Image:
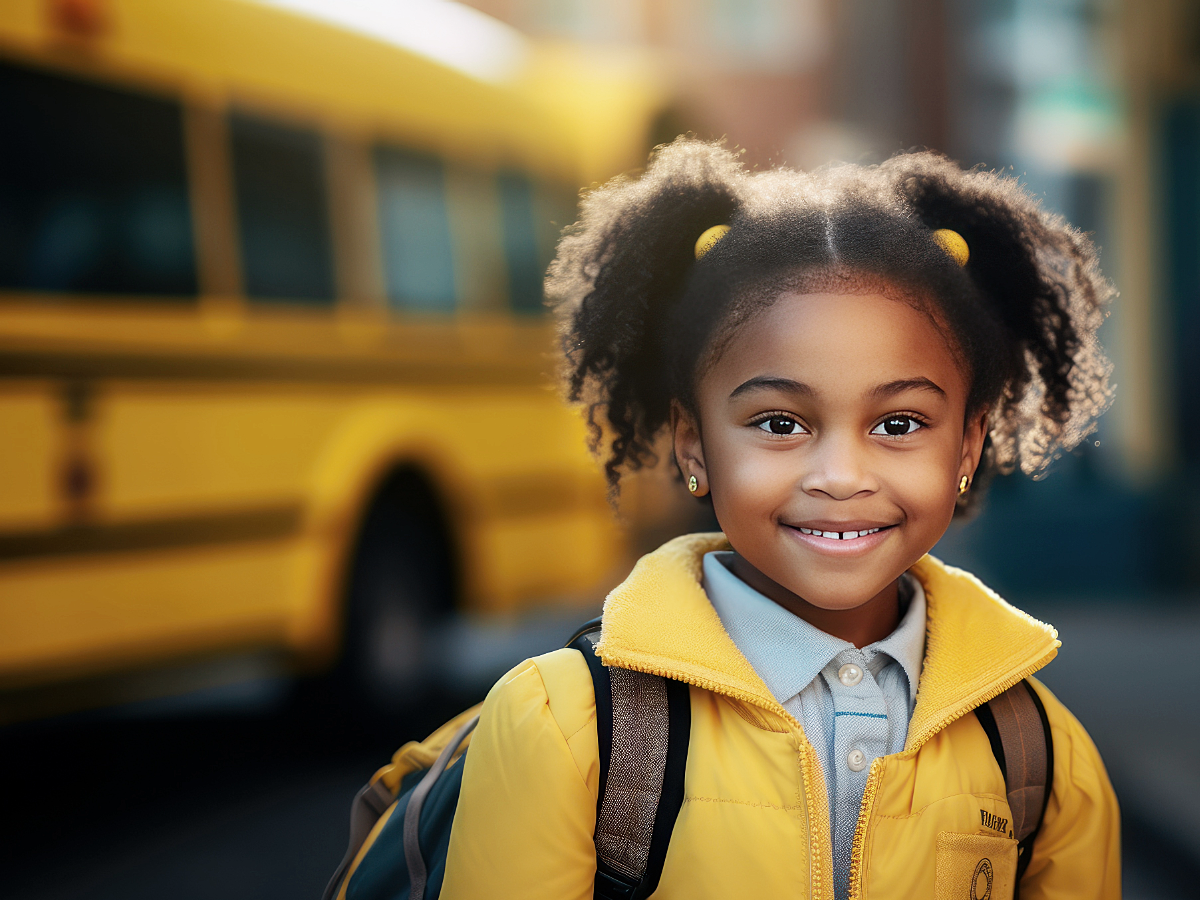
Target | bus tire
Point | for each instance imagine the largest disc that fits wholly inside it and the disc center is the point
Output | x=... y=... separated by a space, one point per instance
x=400 y=596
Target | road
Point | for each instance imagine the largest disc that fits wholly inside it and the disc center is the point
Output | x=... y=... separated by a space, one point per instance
x=246 y=798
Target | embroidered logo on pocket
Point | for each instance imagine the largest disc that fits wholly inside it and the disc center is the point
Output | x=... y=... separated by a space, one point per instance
x=981 y=884
x=975 y=867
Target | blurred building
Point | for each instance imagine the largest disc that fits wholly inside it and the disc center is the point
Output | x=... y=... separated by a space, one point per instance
x=757 y=72
x=1095 y=104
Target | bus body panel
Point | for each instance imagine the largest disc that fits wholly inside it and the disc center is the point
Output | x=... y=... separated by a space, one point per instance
x=28 y=498
x=181 y=514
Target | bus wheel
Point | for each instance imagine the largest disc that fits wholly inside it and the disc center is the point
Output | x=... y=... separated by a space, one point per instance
x=400 y=599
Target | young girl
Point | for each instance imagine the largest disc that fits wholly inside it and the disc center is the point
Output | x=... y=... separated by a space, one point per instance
x=840 y=360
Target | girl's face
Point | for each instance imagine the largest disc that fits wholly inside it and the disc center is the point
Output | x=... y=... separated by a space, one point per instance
x=831 y=436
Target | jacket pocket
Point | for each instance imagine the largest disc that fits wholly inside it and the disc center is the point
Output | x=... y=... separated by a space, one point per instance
x=975 y=867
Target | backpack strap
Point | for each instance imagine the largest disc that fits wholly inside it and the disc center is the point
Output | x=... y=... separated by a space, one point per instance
x=369 y=804
x=418 y=872
x=1019 y=732
x=643 y=725
x=376 y=798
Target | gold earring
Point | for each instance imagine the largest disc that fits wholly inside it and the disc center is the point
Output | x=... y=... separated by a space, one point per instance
x=693 y=484
x=963 y=483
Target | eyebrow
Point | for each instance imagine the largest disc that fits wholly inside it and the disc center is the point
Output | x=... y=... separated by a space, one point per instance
x=799 y=388
x=892 y=388
x=772 y=383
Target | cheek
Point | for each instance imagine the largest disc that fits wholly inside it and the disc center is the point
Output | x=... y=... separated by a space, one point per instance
x=748 y=483
x=926 y=488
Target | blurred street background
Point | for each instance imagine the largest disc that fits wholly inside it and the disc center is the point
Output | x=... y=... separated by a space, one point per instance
x=283 y=482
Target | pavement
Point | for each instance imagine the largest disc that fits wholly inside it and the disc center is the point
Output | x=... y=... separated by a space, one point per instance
x=1131 y=675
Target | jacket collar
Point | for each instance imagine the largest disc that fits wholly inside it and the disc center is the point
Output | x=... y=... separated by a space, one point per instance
x=659 y=620
x=787 y=652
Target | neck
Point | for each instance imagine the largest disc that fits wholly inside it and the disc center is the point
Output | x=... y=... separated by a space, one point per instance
x=864 y=624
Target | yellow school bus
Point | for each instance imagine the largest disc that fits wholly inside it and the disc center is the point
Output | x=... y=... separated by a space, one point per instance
x=274 y=377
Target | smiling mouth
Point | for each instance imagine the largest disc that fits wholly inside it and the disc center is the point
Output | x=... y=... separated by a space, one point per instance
x=842 y=535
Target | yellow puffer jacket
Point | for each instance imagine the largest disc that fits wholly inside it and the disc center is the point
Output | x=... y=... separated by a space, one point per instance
x=755 y=820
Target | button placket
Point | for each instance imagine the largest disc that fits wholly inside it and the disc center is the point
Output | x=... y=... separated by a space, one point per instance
x=851 y=682
x=860 y=723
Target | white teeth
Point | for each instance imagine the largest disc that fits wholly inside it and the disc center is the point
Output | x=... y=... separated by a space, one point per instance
x=839 y=536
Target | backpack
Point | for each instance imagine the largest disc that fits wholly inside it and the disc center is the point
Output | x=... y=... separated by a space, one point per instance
x=400 y=821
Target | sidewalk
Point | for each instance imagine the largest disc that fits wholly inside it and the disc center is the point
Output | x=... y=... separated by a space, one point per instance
x=1132 y=676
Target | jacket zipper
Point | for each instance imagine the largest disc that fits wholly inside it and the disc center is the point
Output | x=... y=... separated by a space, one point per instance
x=820 y=876
x=858 y=848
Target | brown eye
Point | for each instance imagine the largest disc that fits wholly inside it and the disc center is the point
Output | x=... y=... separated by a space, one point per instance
x=897 y=426
x=780 y=425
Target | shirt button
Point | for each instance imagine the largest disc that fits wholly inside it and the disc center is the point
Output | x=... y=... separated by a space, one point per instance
x=856 y=760
x=850 y=674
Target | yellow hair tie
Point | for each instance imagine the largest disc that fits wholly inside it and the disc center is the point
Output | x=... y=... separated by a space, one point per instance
x=709 y=239
x=954 y=245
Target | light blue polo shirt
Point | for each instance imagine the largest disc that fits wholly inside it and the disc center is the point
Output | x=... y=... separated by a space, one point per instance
x=854 y=705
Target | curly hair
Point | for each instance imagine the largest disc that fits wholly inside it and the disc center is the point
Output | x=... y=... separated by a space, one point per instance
x=641 y=317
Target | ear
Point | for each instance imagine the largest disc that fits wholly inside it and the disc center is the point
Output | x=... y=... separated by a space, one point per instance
x=689 y=452
x=972 y=447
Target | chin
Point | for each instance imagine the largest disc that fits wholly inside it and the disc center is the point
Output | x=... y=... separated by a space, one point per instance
x=839 y=602
x=844 y=594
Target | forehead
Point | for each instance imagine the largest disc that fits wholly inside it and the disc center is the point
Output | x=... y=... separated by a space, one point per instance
x=840 y=339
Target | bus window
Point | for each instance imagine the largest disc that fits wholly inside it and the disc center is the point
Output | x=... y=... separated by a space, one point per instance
x=519 y=218
x=480 y=272
x=418 y=255
x=93 y=189
x=283 y=211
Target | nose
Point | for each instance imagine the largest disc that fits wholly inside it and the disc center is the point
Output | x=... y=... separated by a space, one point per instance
x=836 y=466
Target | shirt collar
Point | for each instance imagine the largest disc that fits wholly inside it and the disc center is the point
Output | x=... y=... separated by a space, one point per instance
x=787 y=652
x=906 y=645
